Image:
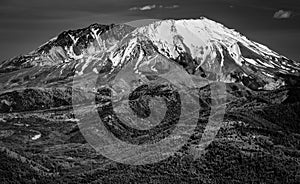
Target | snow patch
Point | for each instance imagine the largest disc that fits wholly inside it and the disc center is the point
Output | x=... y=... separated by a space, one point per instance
x=267 y=74
x=140 y=58
x=234 y=51
x=119 y=58
x=72 y=120
x=251 y=61
x=36 y=136
x=95 y=70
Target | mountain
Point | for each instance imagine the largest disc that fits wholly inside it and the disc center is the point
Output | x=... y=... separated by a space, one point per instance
x=207 y=48
x=201 y=46
x=46 y=93
x=204 y=48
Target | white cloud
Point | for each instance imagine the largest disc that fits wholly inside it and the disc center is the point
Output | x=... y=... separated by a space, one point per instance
x=150 y=7
x=281 y=14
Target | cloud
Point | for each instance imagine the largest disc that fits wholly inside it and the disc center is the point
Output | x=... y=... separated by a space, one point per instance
x=147 y=7
x=150 y=7
x=281 y=14
x=172 y=7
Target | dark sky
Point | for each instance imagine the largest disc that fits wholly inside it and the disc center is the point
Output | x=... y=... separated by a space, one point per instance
x=26 y=24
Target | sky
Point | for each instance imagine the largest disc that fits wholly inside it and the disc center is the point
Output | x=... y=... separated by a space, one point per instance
x=27 y=24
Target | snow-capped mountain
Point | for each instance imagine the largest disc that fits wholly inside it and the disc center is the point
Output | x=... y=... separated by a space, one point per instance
x=202 y=47
x=245 y=131
x=209 y=49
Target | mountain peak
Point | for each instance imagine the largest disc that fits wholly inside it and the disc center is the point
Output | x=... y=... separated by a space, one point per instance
x=220 y=53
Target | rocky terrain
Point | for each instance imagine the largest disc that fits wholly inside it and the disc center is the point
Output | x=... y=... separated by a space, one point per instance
x=46 y=94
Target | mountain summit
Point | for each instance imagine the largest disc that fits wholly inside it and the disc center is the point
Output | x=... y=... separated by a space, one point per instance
x=207 y=48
